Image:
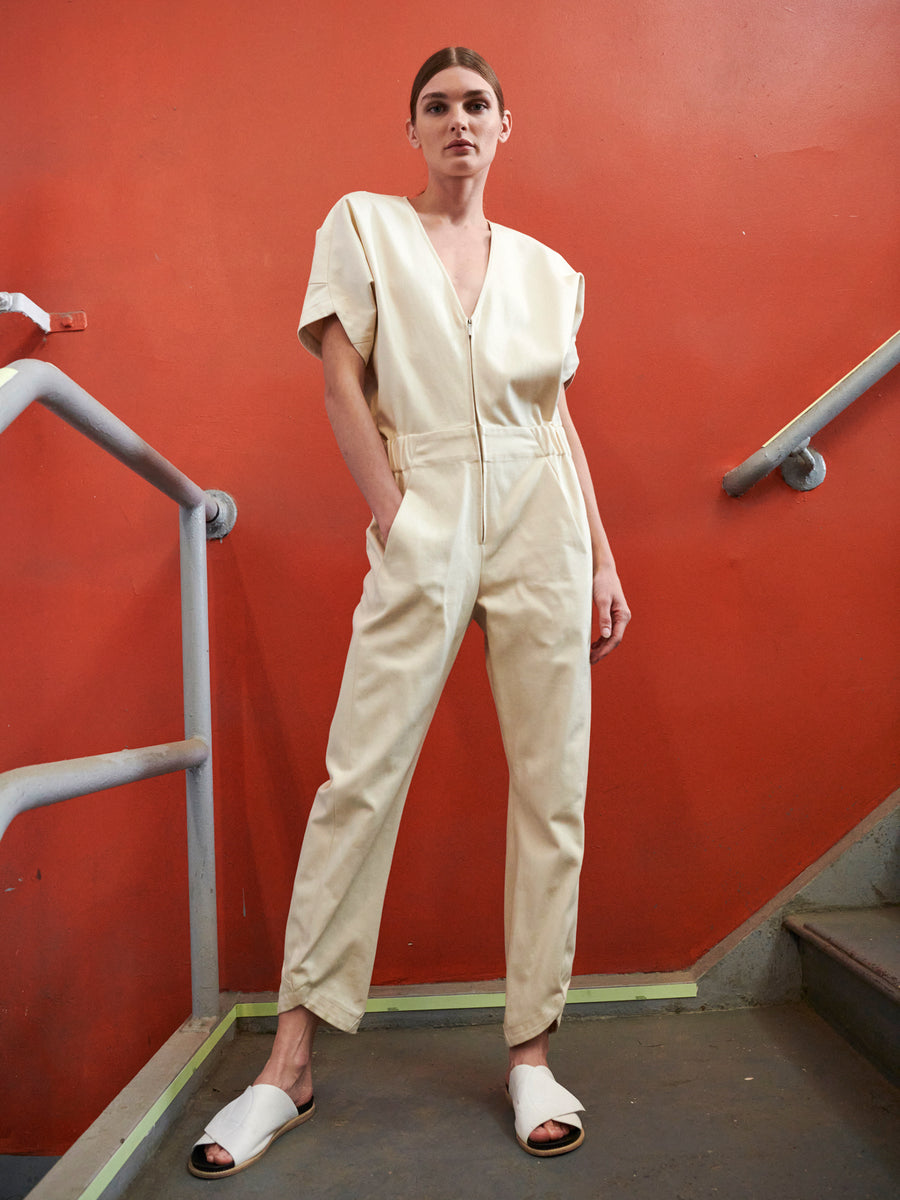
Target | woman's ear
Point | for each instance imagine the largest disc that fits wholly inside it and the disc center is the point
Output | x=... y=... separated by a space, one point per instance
x=412 y=135
x=505 y=125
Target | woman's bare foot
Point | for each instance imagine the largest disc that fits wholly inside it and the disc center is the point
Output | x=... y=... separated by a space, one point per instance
x=534 y=1054
x=289 y=1066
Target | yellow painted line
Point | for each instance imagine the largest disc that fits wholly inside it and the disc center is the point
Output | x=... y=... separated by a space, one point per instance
x=104 y=1177
x=653 y=991
x=649 y=991
x=599 y=995
x=439 y=1003
x=264 y=1008
x=436 y=1003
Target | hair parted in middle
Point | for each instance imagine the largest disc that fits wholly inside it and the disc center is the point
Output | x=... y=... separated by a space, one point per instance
x=454 y=56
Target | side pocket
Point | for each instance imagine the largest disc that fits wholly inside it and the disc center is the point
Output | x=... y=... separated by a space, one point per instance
x=374 y=533
x=566 y=477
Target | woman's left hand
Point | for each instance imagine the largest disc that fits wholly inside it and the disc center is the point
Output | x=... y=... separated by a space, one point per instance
x=612 y=610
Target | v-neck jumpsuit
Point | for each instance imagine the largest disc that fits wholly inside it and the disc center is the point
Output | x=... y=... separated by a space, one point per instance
x=491 y=527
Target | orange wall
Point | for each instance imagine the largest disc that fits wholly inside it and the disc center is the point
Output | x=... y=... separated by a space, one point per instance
x=724 y=175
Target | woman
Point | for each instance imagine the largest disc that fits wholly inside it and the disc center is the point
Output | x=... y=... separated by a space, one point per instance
x=446 y=343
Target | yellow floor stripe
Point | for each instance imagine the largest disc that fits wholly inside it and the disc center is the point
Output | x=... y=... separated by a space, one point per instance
x=104 y=1177
x=439 y=1003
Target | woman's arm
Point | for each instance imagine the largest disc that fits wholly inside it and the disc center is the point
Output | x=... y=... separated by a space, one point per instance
x=608 y=595
x=357 y=438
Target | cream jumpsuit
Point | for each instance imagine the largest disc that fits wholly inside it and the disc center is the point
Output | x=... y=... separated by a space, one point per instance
x=492 y=526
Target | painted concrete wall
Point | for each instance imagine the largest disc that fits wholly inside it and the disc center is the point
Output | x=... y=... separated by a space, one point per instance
x=725 y=176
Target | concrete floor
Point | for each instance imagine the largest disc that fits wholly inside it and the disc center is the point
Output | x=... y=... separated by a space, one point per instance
x=760 y=1104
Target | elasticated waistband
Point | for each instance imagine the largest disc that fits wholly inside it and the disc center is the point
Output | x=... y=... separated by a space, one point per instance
x=496 y=443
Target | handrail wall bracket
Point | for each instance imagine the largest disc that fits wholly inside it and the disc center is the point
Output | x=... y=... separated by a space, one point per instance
x=226 y=515
x=802 y=467
x=58 y=322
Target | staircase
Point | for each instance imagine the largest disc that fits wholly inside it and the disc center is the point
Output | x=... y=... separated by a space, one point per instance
x=850 y=962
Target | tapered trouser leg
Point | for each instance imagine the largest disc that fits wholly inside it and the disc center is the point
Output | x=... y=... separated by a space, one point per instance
x=416 y=604
x=537 y=624
x=501 y=537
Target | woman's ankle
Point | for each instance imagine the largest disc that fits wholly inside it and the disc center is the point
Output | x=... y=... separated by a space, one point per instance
x=289 y=1066
x=532 y=1053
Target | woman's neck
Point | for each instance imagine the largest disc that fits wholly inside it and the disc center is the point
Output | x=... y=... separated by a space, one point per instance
x=458 y=201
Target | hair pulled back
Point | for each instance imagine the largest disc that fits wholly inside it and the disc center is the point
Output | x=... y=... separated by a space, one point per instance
x=454 y=56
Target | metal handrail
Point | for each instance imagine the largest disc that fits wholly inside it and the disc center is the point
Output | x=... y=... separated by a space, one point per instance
x=202 y=514
x=801 y=466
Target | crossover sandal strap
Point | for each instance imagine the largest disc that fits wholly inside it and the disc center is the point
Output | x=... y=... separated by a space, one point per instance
x=537 y=1098
x=246 y=1125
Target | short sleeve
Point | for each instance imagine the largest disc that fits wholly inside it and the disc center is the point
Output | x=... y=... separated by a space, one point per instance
x=570 y=362
x=340 y=284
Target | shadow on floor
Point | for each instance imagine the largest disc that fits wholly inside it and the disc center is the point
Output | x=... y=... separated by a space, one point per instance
x=760 y=1104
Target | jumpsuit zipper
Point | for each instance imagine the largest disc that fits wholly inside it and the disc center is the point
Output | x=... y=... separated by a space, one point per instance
x=478 y=428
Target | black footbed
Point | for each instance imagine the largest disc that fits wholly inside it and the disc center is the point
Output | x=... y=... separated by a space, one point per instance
x=557 y=1143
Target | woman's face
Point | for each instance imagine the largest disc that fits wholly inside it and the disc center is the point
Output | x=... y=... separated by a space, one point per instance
x=458 y=123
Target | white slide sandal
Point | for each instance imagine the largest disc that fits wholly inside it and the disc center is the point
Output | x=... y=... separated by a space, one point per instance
x=537 y=1097
x=246 y=1128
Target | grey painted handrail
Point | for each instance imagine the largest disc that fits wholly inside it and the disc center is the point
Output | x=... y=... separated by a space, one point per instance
x=48 y=783
x=23 y=788
x=29 y=380
x=802 y=467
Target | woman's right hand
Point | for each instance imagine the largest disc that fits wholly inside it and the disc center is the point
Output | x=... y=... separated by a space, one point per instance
x=385 y=519
x=358 y=440
x=612 y=610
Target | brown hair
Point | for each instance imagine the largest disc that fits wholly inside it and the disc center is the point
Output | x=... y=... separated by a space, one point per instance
x=454 y=56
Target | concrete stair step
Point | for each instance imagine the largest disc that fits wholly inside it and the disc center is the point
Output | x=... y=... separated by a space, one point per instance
x=851 y=976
